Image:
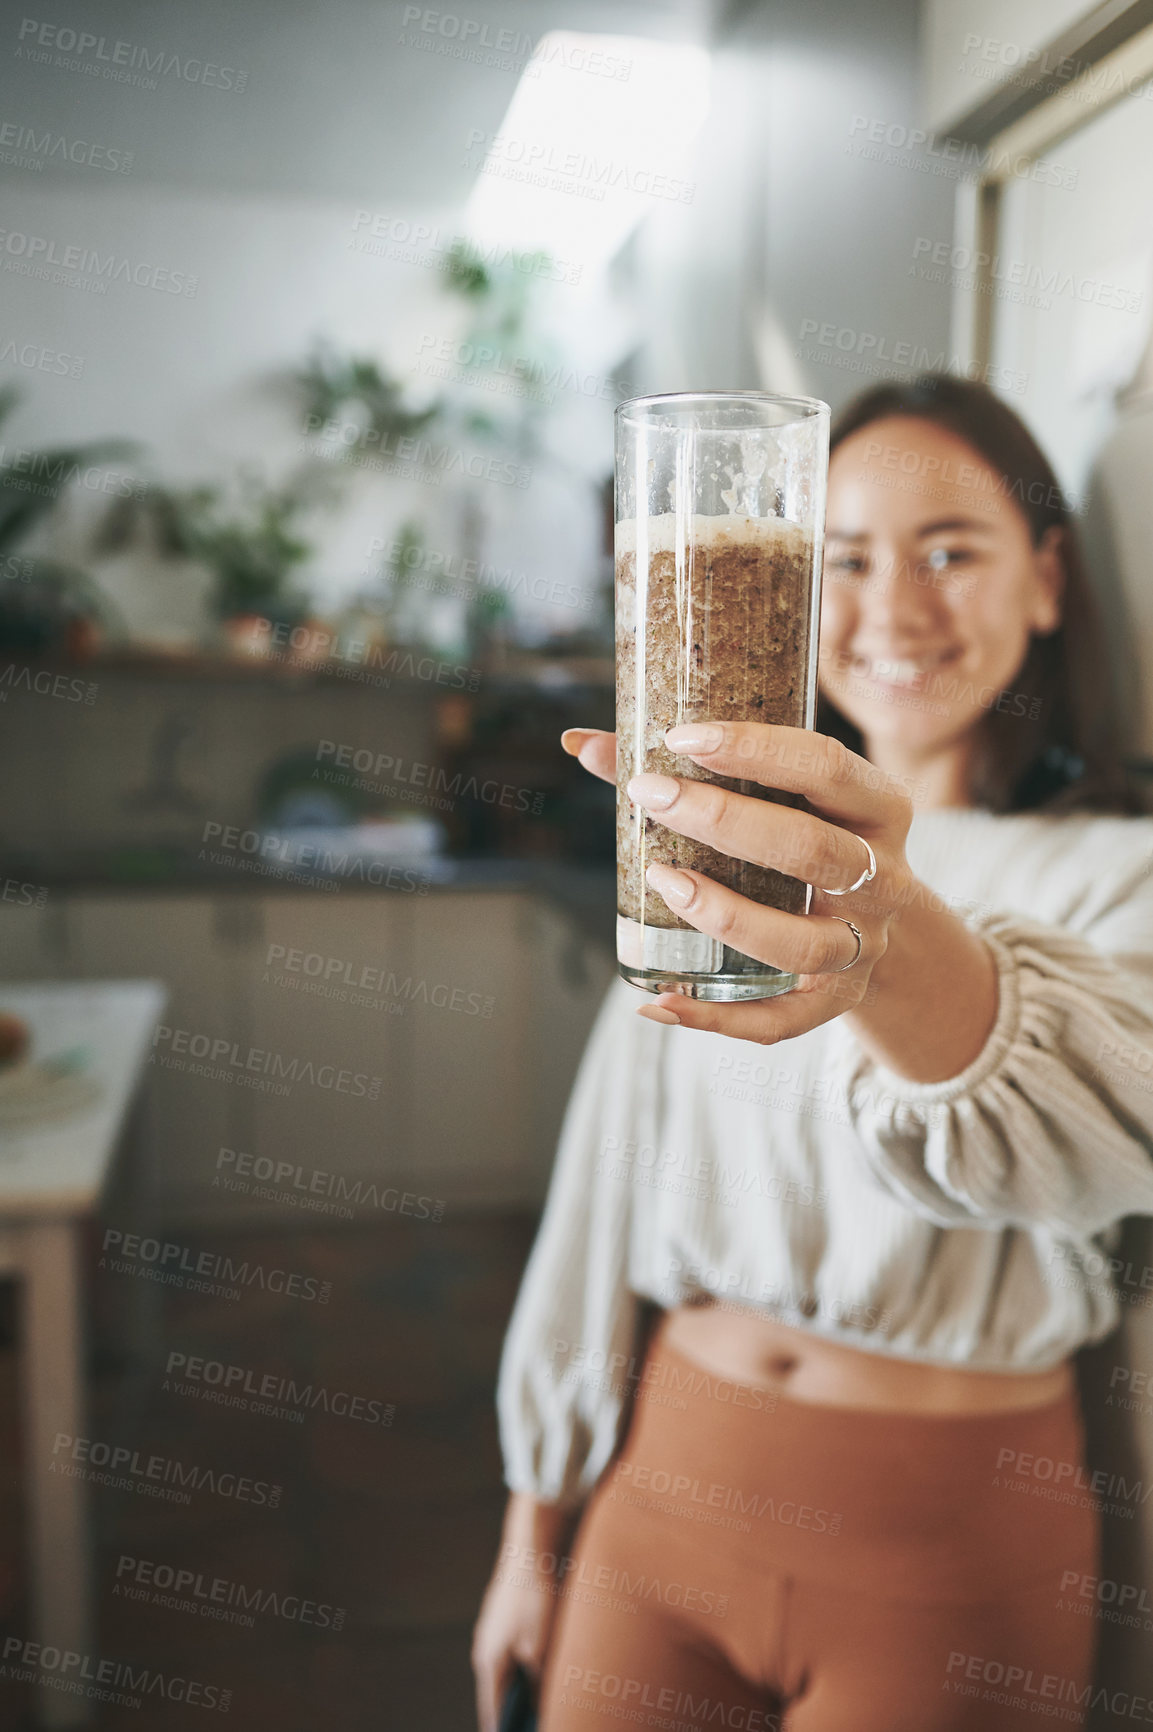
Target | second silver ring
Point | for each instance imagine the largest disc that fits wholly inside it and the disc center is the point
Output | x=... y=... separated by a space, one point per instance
x=856 y=932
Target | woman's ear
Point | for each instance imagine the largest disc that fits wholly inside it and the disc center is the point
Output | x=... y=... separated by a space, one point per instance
x=1049 y=581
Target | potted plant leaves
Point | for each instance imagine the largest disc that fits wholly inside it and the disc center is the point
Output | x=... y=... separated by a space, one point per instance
x=248 y=537
x=47 y=606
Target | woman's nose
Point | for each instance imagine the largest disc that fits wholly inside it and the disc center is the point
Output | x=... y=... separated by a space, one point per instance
x=897 y=597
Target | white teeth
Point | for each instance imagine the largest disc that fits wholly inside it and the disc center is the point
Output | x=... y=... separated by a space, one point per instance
x=906 y=672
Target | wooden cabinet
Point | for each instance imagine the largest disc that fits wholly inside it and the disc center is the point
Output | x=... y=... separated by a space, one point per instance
x=318 y=1011
x=189 y=943
x=32 y=943
x=471 y=1081
x=421 y=1042
x=570 y=979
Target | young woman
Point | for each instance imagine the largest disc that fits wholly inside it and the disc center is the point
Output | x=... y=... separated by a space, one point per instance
x=794 y=1343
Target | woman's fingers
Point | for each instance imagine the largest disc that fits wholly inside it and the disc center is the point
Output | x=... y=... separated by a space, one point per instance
x=808 y=944
x=834 y=780
x=595 y=749
x=760 y=831
x=762 y=1020
x=493 y=1674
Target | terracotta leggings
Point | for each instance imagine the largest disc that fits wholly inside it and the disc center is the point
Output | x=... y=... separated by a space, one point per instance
x=758 y=1563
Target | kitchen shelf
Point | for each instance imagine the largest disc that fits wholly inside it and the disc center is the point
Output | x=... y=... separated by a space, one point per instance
x=538 y=671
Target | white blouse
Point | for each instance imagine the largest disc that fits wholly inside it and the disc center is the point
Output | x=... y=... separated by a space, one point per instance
x=963 y=1223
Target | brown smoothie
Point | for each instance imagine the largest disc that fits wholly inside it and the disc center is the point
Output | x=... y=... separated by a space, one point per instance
x=712 y=624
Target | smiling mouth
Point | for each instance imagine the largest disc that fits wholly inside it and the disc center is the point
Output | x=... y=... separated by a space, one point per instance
x=908 y=673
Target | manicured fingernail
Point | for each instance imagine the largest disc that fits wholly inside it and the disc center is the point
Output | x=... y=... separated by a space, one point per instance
x=574 y=738
x=658 y=1013
x=694 y=737
x=659 y=792
x=675 y=887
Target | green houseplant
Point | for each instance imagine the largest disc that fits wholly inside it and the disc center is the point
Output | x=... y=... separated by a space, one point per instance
x=248 y=537
x=47 y=605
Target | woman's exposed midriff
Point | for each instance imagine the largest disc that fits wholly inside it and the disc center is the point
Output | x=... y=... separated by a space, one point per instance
x=740 y=1344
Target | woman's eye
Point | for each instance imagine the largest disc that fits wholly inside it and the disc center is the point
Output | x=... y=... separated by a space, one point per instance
x=851 y=564
x=941 y=557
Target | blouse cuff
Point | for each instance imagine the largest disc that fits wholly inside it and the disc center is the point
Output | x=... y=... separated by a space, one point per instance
x=1005 y=1029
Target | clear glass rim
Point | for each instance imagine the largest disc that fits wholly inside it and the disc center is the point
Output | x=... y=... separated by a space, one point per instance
x=635 y=408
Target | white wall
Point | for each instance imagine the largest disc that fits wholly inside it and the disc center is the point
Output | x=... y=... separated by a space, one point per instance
x=202 y=380
x=826 y=232
x=972 y=46
x=254 y=192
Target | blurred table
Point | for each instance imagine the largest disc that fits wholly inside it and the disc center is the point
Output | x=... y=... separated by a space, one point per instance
x=54 y=1170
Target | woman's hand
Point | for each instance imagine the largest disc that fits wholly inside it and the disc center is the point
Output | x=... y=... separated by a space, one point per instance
x=915 y=961
x=519 y=1605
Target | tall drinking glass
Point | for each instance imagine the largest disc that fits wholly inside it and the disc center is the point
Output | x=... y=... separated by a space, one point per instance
x=720 y=515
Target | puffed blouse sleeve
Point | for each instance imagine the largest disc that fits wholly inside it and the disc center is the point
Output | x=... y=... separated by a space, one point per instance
x=564 y=1369
x=1051 y=1125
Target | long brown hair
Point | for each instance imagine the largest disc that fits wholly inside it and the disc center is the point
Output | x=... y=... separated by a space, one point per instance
x=1072 y=756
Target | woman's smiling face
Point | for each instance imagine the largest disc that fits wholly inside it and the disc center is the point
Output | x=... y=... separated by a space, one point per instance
x=932 y=588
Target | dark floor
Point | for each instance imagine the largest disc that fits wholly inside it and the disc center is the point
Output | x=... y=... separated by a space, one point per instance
x=397 y=1525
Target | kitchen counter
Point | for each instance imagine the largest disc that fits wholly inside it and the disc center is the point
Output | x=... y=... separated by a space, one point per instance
x=587 y=893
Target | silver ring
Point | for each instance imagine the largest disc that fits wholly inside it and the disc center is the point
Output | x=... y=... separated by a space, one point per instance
x=856 y=932
x=866 y=877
